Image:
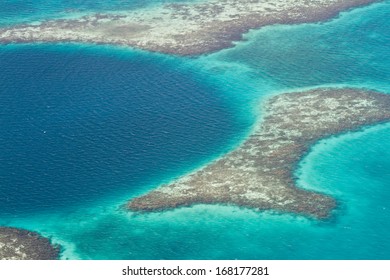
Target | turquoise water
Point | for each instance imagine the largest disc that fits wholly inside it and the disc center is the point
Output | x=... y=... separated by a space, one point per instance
x=20 y=11
x=352 y=50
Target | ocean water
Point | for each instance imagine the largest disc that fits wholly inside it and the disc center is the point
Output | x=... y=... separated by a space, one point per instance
x=77 y=123
x=352 y=50
x=20 y=11
x=85 y=128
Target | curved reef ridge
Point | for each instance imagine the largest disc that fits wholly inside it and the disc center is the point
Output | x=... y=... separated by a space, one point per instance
x=20 y=244
x=182 y=29
x=260 y=173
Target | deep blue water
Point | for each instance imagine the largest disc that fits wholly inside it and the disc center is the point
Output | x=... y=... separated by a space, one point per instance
x=75 y=125
x=83 y=129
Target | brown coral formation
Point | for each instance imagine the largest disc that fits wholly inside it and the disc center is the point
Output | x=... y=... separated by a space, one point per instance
x=20 y=244
x=260 y=173
x=182 y=29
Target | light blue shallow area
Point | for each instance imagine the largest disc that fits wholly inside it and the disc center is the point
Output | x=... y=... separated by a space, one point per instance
x=20 y=11
x=352 y=50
